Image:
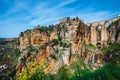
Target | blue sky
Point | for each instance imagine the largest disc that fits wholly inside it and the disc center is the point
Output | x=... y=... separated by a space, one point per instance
x=18 y=15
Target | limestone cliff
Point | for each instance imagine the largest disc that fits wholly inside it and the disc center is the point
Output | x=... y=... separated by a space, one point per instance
x=70 y=30
x=57 y=45
x=61 y=44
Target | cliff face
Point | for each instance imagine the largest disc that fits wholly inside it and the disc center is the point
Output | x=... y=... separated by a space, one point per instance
x=70 y=30
x=34 y=37
x=57 y=46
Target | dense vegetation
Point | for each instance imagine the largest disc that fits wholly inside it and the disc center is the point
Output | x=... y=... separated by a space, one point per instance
x=109 y=71
x=112 y=53
x=11 y=54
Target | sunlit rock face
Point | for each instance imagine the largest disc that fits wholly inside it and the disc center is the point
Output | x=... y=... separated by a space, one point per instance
x=33 y=37
x=73 y=31
x=68 y=29
x=24 y=40
x=77 y=33
x=53 y=35
x=38 y=38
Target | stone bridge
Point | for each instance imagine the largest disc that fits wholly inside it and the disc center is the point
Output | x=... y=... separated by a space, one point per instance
x=99 y=31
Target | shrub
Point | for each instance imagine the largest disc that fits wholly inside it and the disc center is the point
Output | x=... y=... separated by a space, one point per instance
x=38 y=74
x=109 y=71
x=63 y=74
x=113 y=47
x=63 y=44
x=77 y=64
x=78 y=74
x=29 y=74
x=49 y=77
x=55 y=41
x=112 y=52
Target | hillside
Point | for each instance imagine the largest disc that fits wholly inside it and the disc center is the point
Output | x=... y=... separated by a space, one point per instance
x=8 y=56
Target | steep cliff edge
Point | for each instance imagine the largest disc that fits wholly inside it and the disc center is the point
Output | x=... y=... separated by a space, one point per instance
x=56 y=45
x=66 y=44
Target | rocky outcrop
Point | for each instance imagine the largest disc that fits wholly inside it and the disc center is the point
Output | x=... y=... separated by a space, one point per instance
x=32 y=37
x=56 y=46
x=70 y=30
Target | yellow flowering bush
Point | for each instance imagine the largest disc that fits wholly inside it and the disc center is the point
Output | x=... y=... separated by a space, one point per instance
x=26 y=74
